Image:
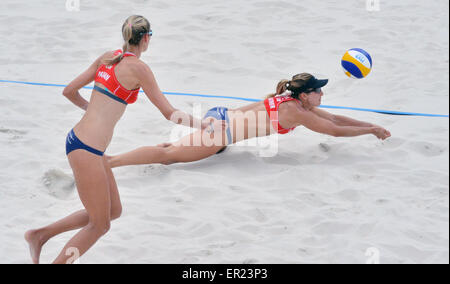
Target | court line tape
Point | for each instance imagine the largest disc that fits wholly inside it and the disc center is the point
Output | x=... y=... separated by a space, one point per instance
x=389 y=112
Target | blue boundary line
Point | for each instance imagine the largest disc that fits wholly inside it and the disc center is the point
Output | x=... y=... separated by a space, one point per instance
x=390 y=112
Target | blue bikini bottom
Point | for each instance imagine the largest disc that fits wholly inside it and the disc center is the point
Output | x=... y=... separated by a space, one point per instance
x=73 y=143
x=221 y=113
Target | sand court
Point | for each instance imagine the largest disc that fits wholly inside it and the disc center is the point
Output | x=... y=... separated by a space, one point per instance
x=320 y=199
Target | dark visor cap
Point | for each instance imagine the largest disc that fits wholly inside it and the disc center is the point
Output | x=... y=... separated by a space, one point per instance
x=314 y=83
x=311 y=85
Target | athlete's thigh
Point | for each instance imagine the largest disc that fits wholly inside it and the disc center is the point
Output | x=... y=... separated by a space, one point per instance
x=113 y=190
x=196 y=146
x=92 y=183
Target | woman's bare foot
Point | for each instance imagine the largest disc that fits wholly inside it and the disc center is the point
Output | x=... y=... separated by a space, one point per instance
x=35 y=241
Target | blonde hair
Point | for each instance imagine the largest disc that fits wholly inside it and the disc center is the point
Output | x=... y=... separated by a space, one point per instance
x=133 y=30
x=294 y=85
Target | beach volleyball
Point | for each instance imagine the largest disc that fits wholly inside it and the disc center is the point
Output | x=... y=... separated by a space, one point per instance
x=357 y=63
x=177 y=133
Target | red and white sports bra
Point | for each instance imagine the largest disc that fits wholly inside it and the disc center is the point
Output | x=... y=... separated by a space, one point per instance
x=272 y=105
x=106 y=76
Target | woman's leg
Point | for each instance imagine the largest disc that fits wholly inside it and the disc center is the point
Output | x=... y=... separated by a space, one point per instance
x=37 y=238
x=178 y=152
x=116 y=204
x=93 y=188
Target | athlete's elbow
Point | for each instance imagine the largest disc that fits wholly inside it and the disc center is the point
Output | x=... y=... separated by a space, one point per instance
x=67 y=92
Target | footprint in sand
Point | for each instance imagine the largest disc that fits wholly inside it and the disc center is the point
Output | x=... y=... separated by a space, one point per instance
x=426 y=149
x=324 y=147
x=13 y=133
x=154 y=170
x=393 y=142
x=59 y=184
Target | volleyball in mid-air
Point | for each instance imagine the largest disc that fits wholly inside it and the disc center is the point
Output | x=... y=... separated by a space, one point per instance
x=357 y=63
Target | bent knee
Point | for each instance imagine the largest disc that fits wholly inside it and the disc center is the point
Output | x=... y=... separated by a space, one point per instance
x=100 y=227
x=116 y=212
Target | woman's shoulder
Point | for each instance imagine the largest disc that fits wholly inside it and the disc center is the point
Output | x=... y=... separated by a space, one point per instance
x=294 y=106
x=140 y=67
x=108 y=55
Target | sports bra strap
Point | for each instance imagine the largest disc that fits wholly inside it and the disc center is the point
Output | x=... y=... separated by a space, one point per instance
x=127 y=54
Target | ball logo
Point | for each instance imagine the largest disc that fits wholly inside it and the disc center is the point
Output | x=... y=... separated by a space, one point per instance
x=360 y=58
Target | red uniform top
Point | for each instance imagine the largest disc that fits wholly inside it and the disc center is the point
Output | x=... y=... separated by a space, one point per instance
x=272 y=105
x=107 y=77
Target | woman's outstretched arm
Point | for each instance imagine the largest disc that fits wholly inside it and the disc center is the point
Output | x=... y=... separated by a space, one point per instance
x=151 y=89
x=340 y=119
x=344 y=121
x=326 y=124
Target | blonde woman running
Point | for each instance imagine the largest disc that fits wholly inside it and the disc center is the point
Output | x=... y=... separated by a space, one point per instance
x=295 y=103
x=118 y=76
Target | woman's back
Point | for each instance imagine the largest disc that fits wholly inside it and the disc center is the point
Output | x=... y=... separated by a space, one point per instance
x=97 y=125
x=253 y=120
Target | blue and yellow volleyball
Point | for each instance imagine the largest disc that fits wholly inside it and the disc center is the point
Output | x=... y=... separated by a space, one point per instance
x=357 y=63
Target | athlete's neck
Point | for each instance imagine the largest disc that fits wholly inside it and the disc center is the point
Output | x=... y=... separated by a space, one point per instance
x=135 y=50
x=306 y=105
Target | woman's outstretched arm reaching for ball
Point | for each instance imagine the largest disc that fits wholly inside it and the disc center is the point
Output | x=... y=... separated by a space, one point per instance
x=295 y=103
x=340 y=119
x=345 y=125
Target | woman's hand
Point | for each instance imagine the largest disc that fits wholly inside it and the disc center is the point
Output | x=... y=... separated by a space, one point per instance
x=380 y=132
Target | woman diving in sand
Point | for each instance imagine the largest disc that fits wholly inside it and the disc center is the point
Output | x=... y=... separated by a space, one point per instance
x=295 y=103
x=118 y=76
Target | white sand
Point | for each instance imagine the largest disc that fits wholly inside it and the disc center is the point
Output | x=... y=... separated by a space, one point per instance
x=320 y=200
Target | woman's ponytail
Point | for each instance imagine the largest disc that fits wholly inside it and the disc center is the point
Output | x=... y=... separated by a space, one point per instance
x=133 y=31
x=294 y=86
x=281 y=88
